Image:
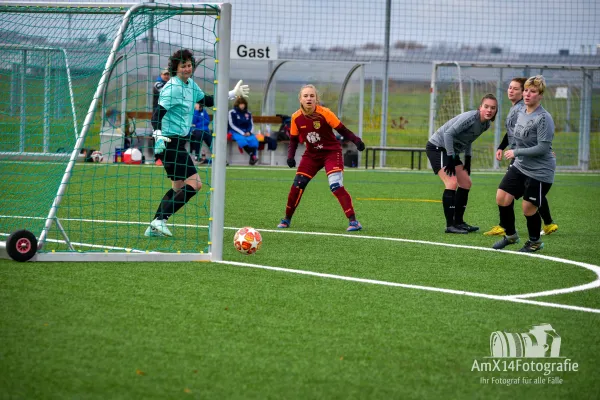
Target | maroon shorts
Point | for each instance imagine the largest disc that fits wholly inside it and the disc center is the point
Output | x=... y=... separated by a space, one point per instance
x=311 y=163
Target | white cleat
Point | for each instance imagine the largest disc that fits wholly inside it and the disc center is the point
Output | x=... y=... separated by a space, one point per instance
x=158 y=227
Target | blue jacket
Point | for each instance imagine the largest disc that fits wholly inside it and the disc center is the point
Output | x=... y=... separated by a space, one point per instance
x=156 y=88
x=201 y=120
x=240 y=121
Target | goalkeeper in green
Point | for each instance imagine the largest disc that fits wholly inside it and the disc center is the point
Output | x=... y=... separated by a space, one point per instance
x=171 y=121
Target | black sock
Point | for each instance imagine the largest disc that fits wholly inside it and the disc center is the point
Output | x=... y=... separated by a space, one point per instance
x=448 y=203
x=460 y=205
x=171 y=206
x=544 y=211
x=534 y=225
x=166 y=197
x=249 y=150
x=507 y=218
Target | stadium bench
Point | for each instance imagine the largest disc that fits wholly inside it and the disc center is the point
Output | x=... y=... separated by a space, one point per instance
x=258 y=119
x=278 y=157
x=412 y=150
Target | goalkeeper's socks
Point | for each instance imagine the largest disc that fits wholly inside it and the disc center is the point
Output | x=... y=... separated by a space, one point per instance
x=183 y=196
x=460 y=204
x=448 y=204
x=507 y=218
x=166 y=197
x=293 y=200
x=172 y=205
x=345 y=201
x=544 y=211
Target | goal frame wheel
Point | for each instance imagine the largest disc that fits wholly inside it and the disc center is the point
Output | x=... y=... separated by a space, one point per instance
x=21 y=245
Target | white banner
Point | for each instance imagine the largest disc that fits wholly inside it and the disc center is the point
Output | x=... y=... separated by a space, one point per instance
x=248 y=51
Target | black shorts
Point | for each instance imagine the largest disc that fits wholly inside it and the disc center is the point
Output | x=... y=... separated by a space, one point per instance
x=176 y=160
x=437 y=155
x=520 y=185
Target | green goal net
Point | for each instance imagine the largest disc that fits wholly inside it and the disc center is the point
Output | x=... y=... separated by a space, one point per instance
x=76 y=149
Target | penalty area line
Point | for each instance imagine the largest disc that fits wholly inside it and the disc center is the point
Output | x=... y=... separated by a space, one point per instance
x=417 y=287
x=587 y=286
x=392 y=199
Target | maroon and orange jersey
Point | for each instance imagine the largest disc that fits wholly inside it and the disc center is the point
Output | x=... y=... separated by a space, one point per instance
x=316 y=130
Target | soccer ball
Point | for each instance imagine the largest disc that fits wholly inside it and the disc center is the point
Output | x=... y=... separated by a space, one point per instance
x=97 y=156
x=247 y=240
x=132 y=156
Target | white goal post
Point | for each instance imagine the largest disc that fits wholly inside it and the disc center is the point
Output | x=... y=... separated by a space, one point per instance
x=99 y=236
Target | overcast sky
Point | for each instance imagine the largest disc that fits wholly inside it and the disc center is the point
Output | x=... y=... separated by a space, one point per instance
x=534 y=26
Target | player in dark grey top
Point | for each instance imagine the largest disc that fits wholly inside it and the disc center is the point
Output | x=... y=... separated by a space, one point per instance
x=443 y=148
x=511 y=121
x=534 y=133
x=532 y=173
x=457 y=135
x=515 y=95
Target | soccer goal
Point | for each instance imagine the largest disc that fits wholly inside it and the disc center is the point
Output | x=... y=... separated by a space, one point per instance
x=78 y=81
x=457 y=87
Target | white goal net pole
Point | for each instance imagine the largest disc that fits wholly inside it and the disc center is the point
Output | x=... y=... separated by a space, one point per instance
x=433 y=92
x=217 y=219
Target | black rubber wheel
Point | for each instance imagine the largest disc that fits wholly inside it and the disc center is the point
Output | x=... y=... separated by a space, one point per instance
x=21 y=245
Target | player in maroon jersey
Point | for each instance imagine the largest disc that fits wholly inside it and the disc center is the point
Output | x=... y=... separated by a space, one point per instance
x=313 y=125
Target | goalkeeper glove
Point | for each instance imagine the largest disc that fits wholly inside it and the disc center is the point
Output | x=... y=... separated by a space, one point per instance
x=159 y=141
x=467 y=166
x=450 y=168
x=291 y=162
x=239 y=90
x=360 y=145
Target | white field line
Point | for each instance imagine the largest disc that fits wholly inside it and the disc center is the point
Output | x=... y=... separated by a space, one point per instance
x=96 y=246
x=418 y=287
x=586 y=286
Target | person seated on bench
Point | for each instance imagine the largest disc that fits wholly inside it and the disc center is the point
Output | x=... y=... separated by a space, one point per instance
x=200 y=132
x=240 y=128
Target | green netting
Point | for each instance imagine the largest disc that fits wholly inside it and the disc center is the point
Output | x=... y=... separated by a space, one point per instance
x=51 y=63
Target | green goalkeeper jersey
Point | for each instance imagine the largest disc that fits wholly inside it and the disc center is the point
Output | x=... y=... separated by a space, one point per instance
x=178 y=98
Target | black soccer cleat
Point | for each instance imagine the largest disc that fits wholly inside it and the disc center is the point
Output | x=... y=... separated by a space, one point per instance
x=532 y=246
x=506 y=240
x=454 y=229
x=467 y=227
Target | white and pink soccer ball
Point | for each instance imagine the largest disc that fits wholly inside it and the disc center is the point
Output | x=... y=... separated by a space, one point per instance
x=247 y=240
x=132 y=156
